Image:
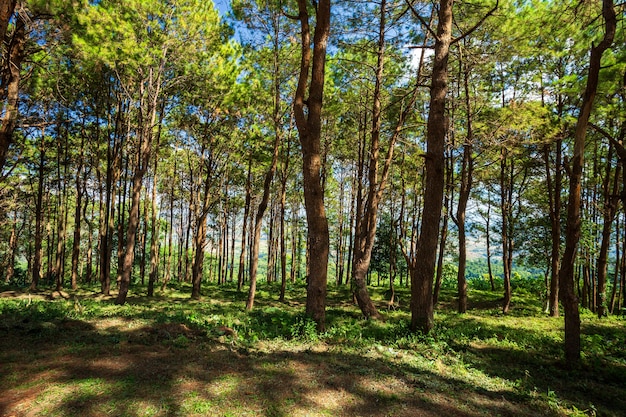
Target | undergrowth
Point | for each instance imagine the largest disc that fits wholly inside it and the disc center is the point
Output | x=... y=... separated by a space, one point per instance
x=520 y=352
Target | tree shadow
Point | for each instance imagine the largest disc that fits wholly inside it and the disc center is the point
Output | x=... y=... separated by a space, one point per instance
x=164 y=359
x=77 y=368
x=533 y=359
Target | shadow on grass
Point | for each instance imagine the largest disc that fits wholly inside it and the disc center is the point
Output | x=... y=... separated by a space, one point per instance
x=71 y=367
x=533 y=359
x=165 y=356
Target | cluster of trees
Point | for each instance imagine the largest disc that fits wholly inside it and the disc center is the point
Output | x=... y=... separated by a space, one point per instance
x=140 y=136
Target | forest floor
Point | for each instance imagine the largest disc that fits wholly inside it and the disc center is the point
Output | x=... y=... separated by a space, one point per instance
x=78 y=354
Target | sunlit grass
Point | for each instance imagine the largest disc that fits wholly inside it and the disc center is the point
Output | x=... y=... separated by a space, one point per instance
x=469 y=360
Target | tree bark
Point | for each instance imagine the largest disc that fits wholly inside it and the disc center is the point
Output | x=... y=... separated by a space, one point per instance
x=309 y=127
x=246 y=212
x=609 y=212
x=467 y=170
x=77 y=215
x=11 y=72
x=144 y=155
x=422 y=271
x=505 y=208
x=554 y=198
x=566 y=276
x=38 y=255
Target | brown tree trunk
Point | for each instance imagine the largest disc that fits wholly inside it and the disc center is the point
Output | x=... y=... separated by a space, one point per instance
x=199 y=243
x=283 y=230
x=13 y=239
x=133 y=223
x=77 y=216
x=609 y=212
x=566 y=277
x=11 y=75
x=256 y=241
x=170 y=238
x=269 y=177
x=365 y=233
x=6 y=12
x=144 y=155
x=467 y=169
x=618 y=264
x=505 y=210
x=154 y=234
x=422 y=270
x=244 y=229
x=554 y=198
x=38 y=255
x=200 y=204
x=309 y=127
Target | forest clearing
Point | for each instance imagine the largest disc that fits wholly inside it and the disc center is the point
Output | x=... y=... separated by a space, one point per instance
x=172 y=356
x=312 y=207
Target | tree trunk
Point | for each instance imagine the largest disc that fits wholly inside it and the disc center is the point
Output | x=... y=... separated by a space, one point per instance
x=133 y=225
x=154 y=234
x=505 y=208
x=11 y=75
x=618 y=263
x=38 y=255
x=201 y=209
x=13 y=240
x=610 y=209
x=246 y=212
x=283 y=230
x=6 y=12
x=144 y=155
x=365 y=232
x=309 y=127
x=422 y=270
x=566 y=277
x=77 y=216
x=256 y=241
x=467 y=169
x=554 y=197
x=199 y=243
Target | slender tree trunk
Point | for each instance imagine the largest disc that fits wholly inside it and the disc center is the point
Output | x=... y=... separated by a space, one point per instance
x=283 y=230
x=467 y=169
x=256 y=241
x=618 y=263
x=170 y=238
x=77 y=216
x=441 y=252
x=423 y=268
x=246 y=212
x=13 y=241
x=113 y=173
x=609 y=212
x=505 y=210
x=366 y=231
x=38 y=255
x=566 y=277
x=144 y=155
x=554 y=196
x=201 y=208
x=131 y=231
x=154 y=233
x=143 y=239
x=309 y=127
x=199 y=243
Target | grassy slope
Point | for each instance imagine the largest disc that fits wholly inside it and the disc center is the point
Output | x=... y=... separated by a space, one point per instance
x=169 y=356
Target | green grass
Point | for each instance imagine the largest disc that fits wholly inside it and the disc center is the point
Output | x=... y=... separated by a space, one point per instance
x=168 y=356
